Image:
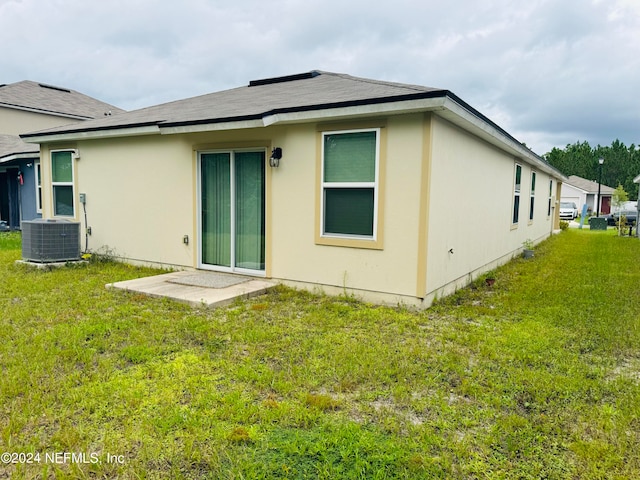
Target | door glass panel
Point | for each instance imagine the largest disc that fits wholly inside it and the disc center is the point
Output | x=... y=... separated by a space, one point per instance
x=216 y=209
x=249 y=210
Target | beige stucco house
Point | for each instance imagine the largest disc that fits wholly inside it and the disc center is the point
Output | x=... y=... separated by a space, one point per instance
x=392 y=192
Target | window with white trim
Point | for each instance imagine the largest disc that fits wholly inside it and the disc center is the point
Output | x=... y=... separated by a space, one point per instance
x=516 y=194
x=532 y=196
x=62 y=183
x=550 y=198
x=38 y=172
x=350 y=162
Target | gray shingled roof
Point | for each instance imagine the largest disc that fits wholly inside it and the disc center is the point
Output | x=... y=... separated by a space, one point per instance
x=304 y=92
x=287 y=99
x=589 y=186
x=38 y=97
x=11 y=145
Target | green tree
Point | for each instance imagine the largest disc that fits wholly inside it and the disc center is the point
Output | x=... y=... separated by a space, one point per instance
x=618 y=199
x=621 y=163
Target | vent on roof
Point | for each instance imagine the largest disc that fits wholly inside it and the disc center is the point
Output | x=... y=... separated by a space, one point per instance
x=54 y=88
x=288 y=78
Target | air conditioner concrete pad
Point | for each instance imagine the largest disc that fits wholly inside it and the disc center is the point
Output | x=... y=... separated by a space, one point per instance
x=50 y=265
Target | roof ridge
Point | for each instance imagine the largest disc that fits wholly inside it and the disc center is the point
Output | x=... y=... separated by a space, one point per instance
x=407 y=86
x=284 y=79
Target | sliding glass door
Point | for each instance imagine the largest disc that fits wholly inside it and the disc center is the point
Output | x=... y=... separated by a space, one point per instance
x=232 y=210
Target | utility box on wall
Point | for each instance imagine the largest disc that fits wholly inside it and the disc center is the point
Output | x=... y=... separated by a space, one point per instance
x=46 y=241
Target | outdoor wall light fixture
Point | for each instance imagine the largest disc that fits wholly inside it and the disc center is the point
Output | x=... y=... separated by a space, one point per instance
x=276 y=155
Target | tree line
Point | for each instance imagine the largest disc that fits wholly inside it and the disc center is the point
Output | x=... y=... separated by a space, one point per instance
x=621 y=163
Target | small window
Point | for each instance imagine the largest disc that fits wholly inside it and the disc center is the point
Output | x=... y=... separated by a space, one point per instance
x=62 y=183
x=532 y=196
x=516 y=194
x=38 y=187
x=550 y=198
x=349 y=183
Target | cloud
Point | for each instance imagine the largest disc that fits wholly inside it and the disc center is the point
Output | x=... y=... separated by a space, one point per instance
x=551 y=72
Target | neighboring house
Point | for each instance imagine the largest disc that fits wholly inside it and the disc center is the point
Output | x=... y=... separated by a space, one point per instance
x=392 y=192
x=18 y=171
x=582 y=191
x=27 y=106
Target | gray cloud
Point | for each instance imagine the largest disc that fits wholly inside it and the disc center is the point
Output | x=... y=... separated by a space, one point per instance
x=551 y=72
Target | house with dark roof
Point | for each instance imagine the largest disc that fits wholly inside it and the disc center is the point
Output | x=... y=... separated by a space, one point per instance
x=391 y=192
x=582 y=192
x=27 y=106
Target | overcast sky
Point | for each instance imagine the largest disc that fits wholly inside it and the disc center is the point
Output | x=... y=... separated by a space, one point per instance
x=551 y=72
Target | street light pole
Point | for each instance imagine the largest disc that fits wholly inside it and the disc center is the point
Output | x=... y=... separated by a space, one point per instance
x=600 y=162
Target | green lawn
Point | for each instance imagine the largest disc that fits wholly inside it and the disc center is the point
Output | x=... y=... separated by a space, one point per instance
x=535 y=377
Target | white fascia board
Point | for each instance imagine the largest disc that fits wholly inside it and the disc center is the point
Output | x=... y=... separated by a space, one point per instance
x=212 y=127
x=20 y=156
x=94 y=134
x=44 y=112
x=311 y=116
x=406 y=106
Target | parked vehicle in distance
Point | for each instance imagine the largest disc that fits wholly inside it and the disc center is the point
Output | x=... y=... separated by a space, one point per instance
x=568 y=211
x=4 y=227
x=631 y=217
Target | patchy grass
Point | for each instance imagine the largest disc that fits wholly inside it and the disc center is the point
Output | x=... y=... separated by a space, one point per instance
x=536 y=376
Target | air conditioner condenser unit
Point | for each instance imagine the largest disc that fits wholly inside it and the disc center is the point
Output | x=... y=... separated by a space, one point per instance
x=50 y=240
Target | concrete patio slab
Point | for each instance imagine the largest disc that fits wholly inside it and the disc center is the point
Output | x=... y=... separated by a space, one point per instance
x=210 y=289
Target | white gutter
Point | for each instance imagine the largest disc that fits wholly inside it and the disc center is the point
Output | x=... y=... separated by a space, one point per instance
x=443 y=106
x=18 y=156
x=94 y=134
x=405 y=106
x=41 y=111
x=311 y=116
x=212 y=127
